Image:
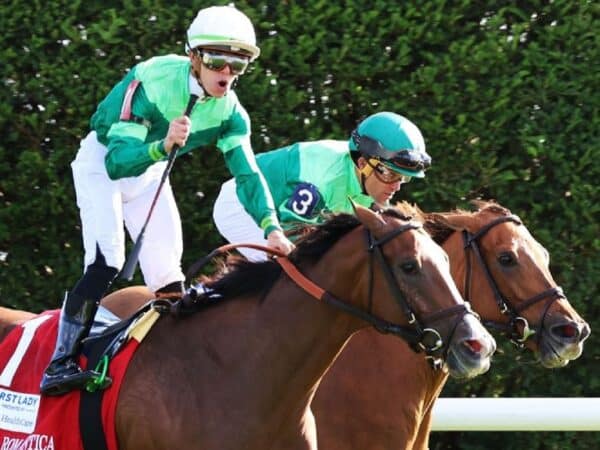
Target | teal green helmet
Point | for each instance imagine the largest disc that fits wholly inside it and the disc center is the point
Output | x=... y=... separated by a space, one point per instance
x=394 y=140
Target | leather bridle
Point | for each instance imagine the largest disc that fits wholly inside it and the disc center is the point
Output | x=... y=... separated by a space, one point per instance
x=420 y=336
x=507 y=308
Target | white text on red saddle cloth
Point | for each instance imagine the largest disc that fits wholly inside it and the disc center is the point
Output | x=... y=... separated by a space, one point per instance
x=29 y=421
x=18 y=411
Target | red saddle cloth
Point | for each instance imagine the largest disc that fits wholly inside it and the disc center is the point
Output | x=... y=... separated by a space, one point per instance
x=31 y=421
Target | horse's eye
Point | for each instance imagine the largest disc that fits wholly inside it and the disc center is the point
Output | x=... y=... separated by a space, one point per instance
x=507 y=259
x=409 y=267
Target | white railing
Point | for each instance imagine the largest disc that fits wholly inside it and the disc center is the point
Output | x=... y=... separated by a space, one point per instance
x=516 y=414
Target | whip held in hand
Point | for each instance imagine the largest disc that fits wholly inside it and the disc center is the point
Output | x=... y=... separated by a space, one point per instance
x=131 y=263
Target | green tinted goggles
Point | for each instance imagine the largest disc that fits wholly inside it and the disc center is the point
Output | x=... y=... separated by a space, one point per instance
x=217 y=61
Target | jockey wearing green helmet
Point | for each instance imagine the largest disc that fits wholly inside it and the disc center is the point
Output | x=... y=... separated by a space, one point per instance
x=311 y=179
x=392 y=140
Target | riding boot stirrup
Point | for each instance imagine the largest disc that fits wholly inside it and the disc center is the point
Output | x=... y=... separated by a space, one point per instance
x=64 y=374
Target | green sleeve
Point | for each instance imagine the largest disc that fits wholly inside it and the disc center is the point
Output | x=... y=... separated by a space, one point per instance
x=334 y=191
x=289 y=218
x=252 y=189
x=128 y=154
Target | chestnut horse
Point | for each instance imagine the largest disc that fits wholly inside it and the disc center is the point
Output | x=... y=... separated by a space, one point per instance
x=492 y=255
x=242 y=373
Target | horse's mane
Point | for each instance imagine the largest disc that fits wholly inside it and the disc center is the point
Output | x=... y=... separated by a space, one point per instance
x=439 y=230
x=238 y=276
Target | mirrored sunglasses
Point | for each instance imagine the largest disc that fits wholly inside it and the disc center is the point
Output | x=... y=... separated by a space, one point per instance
x=218 y=61
x=385 y=174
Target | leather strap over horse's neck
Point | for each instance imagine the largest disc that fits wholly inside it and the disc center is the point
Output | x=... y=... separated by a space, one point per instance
x=413 y=335
x=321 y=294
x=313 y=290
x=195 y=268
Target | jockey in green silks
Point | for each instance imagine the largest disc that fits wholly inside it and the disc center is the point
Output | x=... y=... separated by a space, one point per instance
x=310 y=179
x=120 y=164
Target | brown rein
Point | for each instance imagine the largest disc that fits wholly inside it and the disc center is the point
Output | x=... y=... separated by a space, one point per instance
x=419 y=338
x=411 y=336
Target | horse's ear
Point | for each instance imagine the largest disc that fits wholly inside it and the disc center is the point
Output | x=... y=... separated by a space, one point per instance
x=456 y=221
x=370 y=219
x=410 y=210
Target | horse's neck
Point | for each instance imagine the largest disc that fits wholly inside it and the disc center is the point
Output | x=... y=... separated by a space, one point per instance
x=302 y=336
x=268 y=354
x=421 y=384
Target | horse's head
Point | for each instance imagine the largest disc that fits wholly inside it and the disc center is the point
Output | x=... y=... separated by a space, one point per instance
x=406 y=280
x=506 y=271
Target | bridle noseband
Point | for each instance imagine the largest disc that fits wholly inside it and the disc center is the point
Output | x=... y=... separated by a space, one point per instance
x=511 y=329
x=427 y=339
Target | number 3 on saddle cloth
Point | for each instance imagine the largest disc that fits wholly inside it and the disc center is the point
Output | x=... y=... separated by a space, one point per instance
x=29 y=420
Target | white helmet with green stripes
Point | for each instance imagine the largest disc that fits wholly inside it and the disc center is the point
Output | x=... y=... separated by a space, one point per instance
x=223 y=26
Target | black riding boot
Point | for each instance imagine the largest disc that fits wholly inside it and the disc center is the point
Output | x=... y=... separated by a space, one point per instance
x=64 y=374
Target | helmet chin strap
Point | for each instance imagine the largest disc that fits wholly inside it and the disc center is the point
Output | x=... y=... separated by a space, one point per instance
x=203 y=93
x=196 y=75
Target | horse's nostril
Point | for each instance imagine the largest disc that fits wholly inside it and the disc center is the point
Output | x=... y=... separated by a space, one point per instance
x=568 y=331
x=474 y=345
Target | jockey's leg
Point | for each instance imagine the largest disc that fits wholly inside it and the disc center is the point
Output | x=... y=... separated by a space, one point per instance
x=76 y=318
x=160 y=256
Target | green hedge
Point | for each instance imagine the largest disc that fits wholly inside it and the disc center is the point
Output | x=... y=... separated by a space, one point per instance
x=506 y=96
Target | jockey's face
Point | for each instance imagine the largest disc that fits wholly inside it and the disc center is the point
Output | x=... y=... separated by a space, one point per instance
x=217 y=70
x=380 y=190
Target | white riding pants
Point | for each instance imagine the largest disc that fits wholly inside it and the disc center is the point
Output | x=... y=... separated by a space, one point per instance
x=106 y=204
x=235 y=224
